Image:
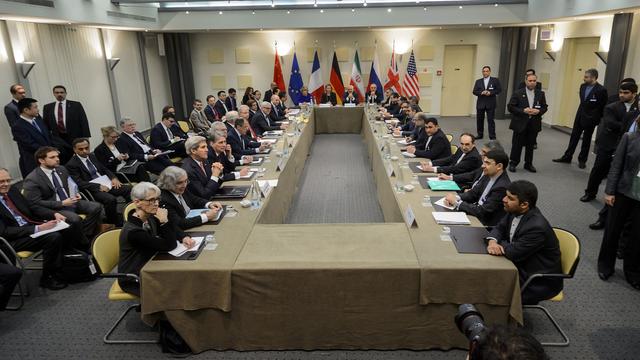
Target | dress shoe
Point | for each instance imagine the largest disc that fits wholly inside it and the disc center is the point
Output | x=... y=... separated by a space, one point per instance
x=582 y=165
x=52 y=283
x=478 y=137
x=587 y=197
x=530 y=168
x=598 y=225
x=492 y=138
x=562 y=160
x=604 y=275
x=512 y=168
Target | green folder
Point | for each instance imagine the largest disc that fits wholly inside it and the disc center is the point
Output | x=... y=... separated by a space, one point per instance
x=443 y=185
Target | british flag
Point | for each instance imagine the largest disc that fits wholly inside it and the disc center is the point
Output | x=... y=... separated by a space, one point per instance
x=393 y=75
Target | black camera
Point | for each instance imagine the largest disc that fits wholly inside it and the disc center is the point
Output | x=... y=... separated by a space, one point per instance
x=471 y=323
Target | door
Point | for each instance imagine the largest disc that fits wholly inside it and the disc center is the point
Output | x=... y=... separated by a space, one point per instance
x=580 y=57
x=457 y=82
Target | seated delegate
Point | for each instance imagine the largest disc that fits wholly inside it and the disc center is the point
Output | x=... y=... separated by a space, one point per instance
x=468 y=179
x=204 y=177
x=466 y=159
x=436 y=145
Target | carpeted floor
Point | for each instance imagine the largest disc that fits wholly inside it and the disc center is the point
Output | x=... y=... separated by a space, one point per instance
x=601 y=318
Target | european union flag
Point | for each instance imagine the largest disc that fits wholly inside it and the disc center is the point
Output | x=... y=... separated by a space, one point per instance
x=295 y=81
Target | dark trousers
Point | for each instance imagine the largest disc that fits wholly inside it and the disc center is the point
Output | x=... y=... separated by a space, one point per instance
x=158 y=164
x=586 y=133
x=110 y=202
x=490 y=121
x=624 y=213
x=51 y=245
x=90 y=223
x=526 y=139
x=599 y=171
x=540 y=289
x=9 y=277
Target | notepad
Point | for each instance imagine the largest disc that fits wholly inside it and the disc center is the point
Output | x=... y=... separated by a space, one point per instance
x=181 y=249
x=257 y=161
x=443 y=185
x=451 y=218
x=409 y=155
x=61 y=225
x=268 y=141
x=404 y=142
x=248 y=176
x=102 y=180
x=442 y=202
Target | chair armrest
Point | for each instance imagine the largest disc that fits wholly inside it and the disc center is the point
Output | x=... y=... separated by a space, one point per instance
x=121 y=276
x=13 y=252
x=124 y=176
x=535 y=276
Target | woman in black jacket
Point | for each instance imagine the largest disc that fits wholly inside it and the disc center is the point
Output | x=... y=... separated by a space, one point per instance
x=118 y=162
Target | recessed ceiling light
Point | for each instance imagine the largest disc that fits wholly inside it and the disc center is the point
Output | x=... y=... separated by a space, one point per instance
x=425 y=9
x=479 y=24
x=365 y=3
x=460 y=7
x=321 y=10
x=389 y=10
x=220 y=12
x=353 y=10
x=490 y=26
x=496 y=4
x=253 y=12
x=273 y=4
x=315 y=3
x=186 y=12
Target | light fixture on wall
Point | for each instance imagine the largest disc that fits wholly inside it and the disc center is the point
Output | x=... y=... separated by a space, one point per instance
x=602 y=55
x=113 y=62
x=551 y=54
x=26 y=67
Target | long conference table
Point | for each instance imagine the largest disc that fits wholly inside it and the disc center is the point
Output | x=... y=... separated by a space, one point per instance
x=275 y=286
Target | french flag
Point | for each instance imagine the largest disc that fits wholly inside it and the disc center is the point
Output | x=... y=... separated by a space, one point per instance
x=316 y=85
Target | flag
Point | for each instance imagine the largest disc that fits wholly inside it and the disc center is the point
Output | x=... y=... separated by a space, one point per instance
x=315 y=82
x=393 y=76
x=410 y=83
x=336 y=79
x=277 y=73
x=374 y=75
x=356 y=77
x=295 y=81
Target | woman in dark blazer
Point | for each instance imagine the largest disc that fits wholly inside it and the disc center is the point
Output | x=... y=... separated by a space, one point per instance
x=247 y=95
x=112 y=158
x=329 y=96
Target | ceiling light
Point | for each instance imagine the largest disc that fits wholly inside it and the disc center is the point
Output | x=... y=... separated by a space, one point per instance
x=220 y=12
x=490 y=26
x=315 y=3
x=253 y=12
x=273 y=4
x=479 y=24
x=460 y=7
x=425 y=9
x=353 y=10
x=321 y=10
x=288 y=11
x=496 y=4
x=186 y=12
x=365 y=3
x=389 y=10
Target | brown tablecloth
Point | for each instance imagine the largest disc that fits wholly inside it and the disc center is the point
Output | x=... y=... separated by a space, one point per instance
x=338 y=119
x=330 y=286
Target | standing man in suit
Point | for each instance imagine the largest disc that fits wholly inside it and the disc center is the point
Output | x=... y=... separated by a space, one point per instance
x=11 y=111
x=593 y=98
x=66 y=118
x=210 y=111
x=167 y=135
x=85 y=167
x=273 y=89
x=526 y=106
x=220 y=107
x=523 y=83
x=486 y=90
x=350 y=96
x=262 y=121
x=484 y=199
x=132 y=142
x=466 y=159
x=436 y=146
x=204 y=177
x=525 y=237
x=200 y=120
x=50 y=190
x=30 y=133
x=231 y=101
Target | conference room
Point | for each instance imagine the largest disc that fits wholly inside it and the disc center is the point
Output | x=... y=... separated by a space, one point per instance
x=301 y=179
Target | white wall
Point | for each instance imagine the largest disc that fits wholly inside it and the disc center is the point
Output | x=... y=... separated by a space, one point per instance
x=158 y=76
x=262 y=54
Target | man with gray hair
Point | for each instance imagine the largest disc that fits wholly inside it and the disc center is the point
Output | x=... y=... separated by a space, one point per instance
x=220 y=152
x=245 y=112
x=204 y=176
x=242 y=147
x=261 y=121
x=179 y=201
x=132 y=142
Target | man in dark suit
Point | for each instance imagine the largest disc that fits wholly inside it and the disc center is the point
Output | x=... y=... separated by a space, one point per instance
x=133 y=143
x=231 y=101
x=167 y=135
x=220 y=106
x=277 y=114
x=9 y=277
x=409 y=123
x=436 y=145
x=372 y=96
x=350 y=96
x=210 y=111
x=30 y=133
x=593 y=98
x=273 y=89
x=484 y=199
x=468 y=179
x=329 y=96
x=466 y=159
x=11 y=111
x=66 y=118
x=50 y=190
x=262 y=122
x=243 y=146
x=525 y=237
x=85 y=167
x=486 y=90
x=523 y=84
x=220 y=153
x=18 y=222
x=204 y=177
x=526 y=107
x=179 y=201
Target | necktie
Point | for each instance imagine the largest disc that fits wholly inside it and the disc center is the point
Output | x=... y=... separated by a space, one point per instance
x=35 y=125
x=275 y=108
x=184 y=204
x=92 y=169
x=58 y=186
x=16 y=212
x=202 y=168
x=426 y=146
x=253 y=134
x=169 y=134
x=61 y=127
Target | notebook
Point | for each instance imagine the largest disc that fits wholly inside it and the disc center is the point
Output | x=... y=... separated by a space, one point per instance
x=450 y=218
x=469 y=240
x=232 y=192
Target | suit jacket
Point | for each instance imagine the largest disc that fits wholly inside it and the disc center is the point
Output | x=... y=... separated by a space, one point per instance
x=420 y=136
x=591 y=108
x=229 y=166
x=261 y=123
x=408 y=128
x=534 y=248
x=329 y=99
x=466 y=180
x=625 y=166
x=40 y=193
x=219 y=106
x=232 y=103
x=375 y=100
x=241 y=145
x=106 y=158
x=487 y=102
x=29 y=140
x=200 y=184
x=9 y=228
x=613 y=125
x=201 y=121
x=176 y=213
x=126 y=144
x=519 y=119
x=491 y=210
x=81 y=175
x=76 y=124
x=11 y=113
x=347 y=100
x=277 y=114
x=267 y=95
x=469 y=162
x=438 y=148
x=160 y=140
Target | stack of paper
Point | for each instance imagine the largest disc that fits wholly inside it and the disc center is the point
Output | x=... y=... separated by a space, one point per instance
x=274 y=132
x=451 y=218
x=409 y=155
x=257 y=161
x=268 y=141
x=404 y=142
x=61 y=225
x=102 y=180
x=248 y=176
x=293 y=111
x=181 y=249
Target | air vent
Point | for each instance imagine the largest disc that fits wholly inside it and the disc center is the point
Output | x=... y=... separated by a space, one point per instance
x=47 y=3
x=130 y=16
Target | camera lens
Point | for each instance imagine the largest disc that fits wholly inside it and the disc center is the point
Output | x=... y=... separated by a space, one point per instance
x=469 y=321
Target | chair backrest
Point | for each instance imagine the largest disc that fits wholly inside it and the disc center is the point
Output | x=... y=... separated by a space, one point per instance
x=450 y=137
x=569 y=251
x=184 y=126
x=454 y=149
x=106 y=250
x=130 y=206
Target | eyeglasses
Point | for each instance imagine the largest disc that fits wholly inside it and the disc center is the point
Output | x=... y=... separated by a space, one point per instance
x=152 y=200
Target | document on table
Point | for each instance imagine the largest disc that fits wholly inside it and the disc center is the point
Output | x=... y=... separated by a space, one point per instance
x=257 y=161
x=198 y=212
x=451 y=218
x=404 y=142
x=275 y=132
x=165 y=152
x=409 y=155
x=268 y=141
x=61 y=225
x=443 y=185
x=444 y=204
x=102 y=180
x=248 y=176
x=266 y=186
x=293 y=111
x=181 y=249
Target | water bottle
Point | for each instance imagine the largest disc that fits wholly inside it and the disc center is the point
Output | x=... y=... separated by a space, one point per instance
x=426 y=201
x=285 y=150
x=255 y=195
x=387 y=150
x=399 y=179
x=209 y=239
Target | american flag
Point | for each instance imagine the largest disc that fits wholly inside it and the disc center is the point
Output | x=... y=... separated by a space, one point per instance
x=410 y=83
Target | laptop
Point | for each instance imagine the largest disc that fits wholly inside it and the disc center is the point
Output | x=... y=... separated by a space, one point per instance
x=232 y=192
x=469 y=240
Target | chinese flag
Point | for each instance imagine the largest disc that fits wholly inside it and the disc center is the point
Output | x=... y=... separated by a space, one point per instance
x=277 y=74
